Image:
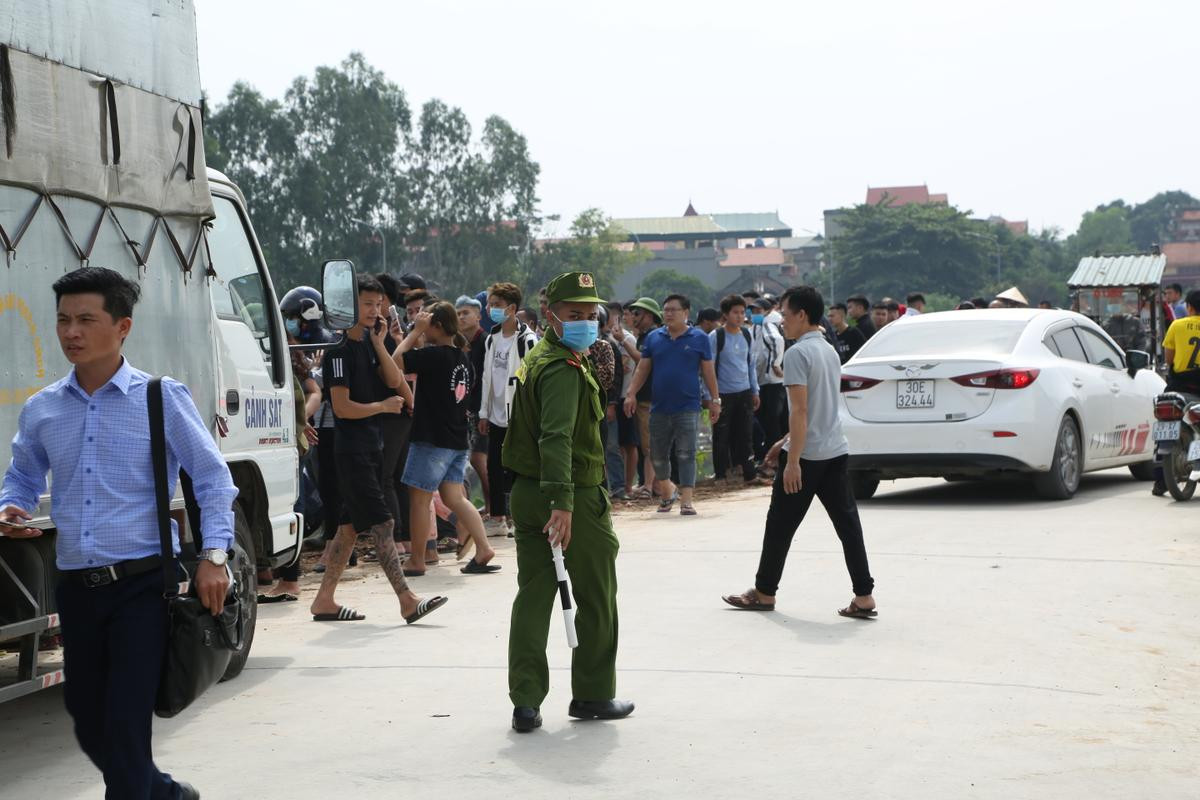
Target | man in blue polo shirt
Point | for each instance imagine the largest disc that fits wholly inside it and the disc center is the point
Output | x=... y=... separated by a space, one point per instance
x=677 y=356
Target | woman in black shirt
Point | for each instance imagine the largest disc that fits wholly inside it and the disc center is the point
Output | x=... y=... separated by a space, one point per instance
x=439 y=449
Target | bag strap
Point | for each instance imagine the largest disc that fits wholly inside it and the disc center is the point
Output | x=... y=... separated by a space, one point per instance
x=720 y=347
x=158 y=455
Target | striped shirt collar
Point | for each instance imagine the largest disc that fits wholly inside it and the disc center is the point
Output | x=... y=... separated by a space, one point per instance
x=121 y=379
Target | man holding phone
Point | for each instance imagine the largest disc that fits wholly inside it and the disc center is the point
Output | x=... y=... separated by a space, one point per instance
x=91 y=431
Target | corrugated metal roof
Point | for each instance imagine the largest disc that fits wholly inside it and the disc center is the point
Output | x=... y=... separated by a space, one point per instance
x=1126 y=270
x=668 y=226
x=751 y=222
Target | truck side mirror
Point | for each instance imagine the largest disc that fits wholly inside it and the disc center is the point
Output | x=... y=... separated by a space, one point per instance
x=339 y=290
x=1136 y=360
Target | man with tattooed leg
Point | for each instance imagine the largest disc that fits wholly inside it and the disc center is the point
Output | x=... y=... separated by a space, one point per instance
x=360 y=377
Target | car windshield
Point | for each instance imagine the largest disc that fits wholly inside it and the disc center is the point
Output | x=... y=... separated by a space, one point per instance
x=951 y=337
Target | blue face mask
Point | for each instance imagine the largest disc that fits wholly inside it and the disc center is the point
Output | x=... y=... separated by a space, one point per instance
x=497 y=315
x=579 y=335
x=292 y=326
x=757 y=319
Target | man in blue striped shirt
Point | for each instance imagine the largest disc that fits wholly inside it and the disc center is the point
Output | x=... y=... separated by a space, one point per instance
x=91 y=431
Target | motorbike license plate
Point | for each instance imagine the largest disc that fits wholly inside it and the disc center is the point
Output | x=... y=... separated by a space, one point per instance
x=1166 y=431
x=914 y=394
x=1194 y=451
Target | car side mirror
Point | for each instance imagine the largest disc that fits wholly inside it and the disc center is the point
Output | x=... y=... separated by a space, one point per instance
x=1136 y=360
x=339 y=290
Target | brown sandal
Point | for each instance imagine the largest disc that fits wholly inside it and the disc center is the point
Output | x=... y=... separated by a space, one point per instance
x=747 y=601
x=857 y=612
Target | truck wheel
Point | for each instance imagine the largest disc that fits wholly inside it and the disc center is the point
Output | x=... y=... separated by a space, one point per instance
x=1066 y=468
x=1177 y=470
x=246 y=574
x=1142 y=471
x=863 y=485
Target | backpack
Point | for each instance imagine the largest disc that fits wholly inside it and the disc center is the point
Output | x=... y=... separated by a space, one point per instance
x=721 y=346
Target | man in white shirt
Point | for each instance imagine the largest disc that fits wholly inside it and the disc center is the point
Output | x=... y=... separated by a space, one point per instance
x=503 y=351
x=915 y=305
x=768 y=348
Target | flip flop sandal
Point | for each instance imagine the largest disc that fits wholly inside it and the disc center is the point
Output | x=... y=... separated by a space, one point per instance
x=740 y=601
x=473 y=567
x=664 y=506
x=343 y=614
x=277 y=598
x=641 y=494
x=413 y=573
x=687 y=511
x=857 y=612
x=426 y=606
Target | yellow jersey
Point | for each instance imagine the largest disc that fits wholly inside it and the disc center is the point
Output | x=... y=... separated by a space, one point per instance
x=1184 y=338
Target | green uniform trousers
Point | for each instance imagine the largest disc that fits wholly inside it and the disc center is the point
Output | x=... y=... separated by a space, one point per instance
x=590 y=557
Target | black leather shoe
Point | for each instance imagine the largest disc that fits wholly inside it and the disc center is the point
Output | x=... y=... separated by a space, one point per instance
x=1159 y=489
x=600 y=709
x=526 y=719
x=187 y=791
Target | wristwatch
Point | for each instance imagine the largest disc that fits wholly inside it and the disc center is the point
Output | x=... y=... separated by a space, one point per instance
x=215 y=555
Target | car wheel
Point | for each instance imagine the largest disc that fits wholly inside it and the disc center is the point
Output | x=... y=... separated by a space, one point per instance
x=1177 y=470
x=1066 y=468
x=246 y=574
x=1142 y=471
x=863 y=485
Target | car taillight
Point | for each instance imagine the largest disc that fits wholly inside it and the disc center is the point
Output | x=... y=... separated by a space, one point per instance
x=998 y=379
x=1167 y=410
x=851 y=383
x=1193 y=415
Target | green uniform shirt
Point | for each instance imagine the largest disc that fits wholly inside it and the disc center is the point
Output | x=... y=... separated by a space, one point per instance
x=554 y=427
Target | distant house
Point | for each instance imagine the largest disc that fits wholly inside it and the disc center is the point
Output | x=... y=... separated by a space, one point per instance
x=895 y=196
x=1183 y=251
x=708 y=247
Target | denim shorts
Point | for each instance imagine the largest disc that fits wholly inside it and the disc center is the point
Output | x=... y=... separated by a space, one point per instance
x=429 y=467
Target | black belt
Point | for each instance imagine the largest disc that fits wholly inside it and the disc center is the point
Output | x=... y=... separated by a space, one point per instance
x=102 y=576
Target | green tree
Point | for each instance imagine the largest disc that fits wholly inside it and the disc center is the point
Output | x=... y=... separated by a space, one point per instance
x=1153 y=221
x=662 y=282
x=930 y=248
x=340 y=150
x=1105 y=230
x=591 y=247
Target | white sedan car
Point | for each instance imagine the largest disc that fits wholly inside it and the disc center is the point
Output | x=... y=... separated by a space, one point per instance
x=972 y=394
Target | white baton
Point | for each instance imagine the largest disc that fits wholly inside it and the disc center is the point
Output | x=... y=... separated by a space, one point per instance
x=564 y=593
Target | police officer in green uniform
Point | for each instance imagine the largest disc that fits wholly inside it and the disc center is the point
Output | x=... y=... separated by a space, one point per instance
x=553 y=448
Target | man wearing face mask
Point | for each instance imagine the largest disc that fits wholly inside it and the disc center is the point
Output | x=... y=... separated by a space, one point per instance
x=504 y=351
x=553 y=447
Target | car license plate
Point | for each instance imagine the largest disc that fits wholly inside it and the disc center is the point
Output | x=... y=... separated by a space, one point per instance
x=1194 y=451
x=1166 y=431
x=914 y=394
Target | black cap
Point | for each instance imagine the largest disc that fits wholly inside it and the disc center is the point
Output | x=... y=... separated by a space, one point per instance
x=412 y=280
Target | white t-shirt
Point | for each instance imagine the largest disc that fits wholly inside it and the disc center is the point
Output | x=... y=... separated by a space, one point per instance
x=502 y=351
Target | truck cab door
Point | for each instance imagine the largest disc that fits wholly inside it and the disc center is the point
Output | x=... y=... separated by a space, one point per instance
x=254 y=397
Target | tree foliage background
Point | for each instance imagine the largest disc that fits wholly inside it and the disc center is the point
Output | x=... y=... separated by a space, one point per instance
x=342 y=153
x=888 y=250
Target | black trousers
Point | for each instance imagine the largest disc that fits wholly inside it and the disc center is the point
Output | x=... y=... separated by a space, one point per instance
x=114 y=640
x=733 y=435
x=499 y=481
x=829 y=482
x=327 y=483
x=771 y=411
x=396 y=430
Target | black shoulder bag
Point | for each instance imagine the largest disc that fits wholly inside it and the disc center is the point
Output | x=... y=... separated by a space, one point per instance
x=199 y=645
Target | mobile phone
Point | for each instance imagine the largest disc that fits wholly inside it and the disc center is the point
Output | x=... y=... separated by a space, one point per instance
x=11 y=526
x=379 y=324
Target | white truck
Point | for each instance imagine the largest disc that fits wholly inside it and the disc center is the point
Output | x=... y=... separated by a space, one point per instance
x=102 y=163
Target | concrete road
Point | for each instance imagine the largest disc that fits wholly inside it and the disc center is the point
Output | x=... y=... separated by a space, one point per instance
x=1024 y=649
